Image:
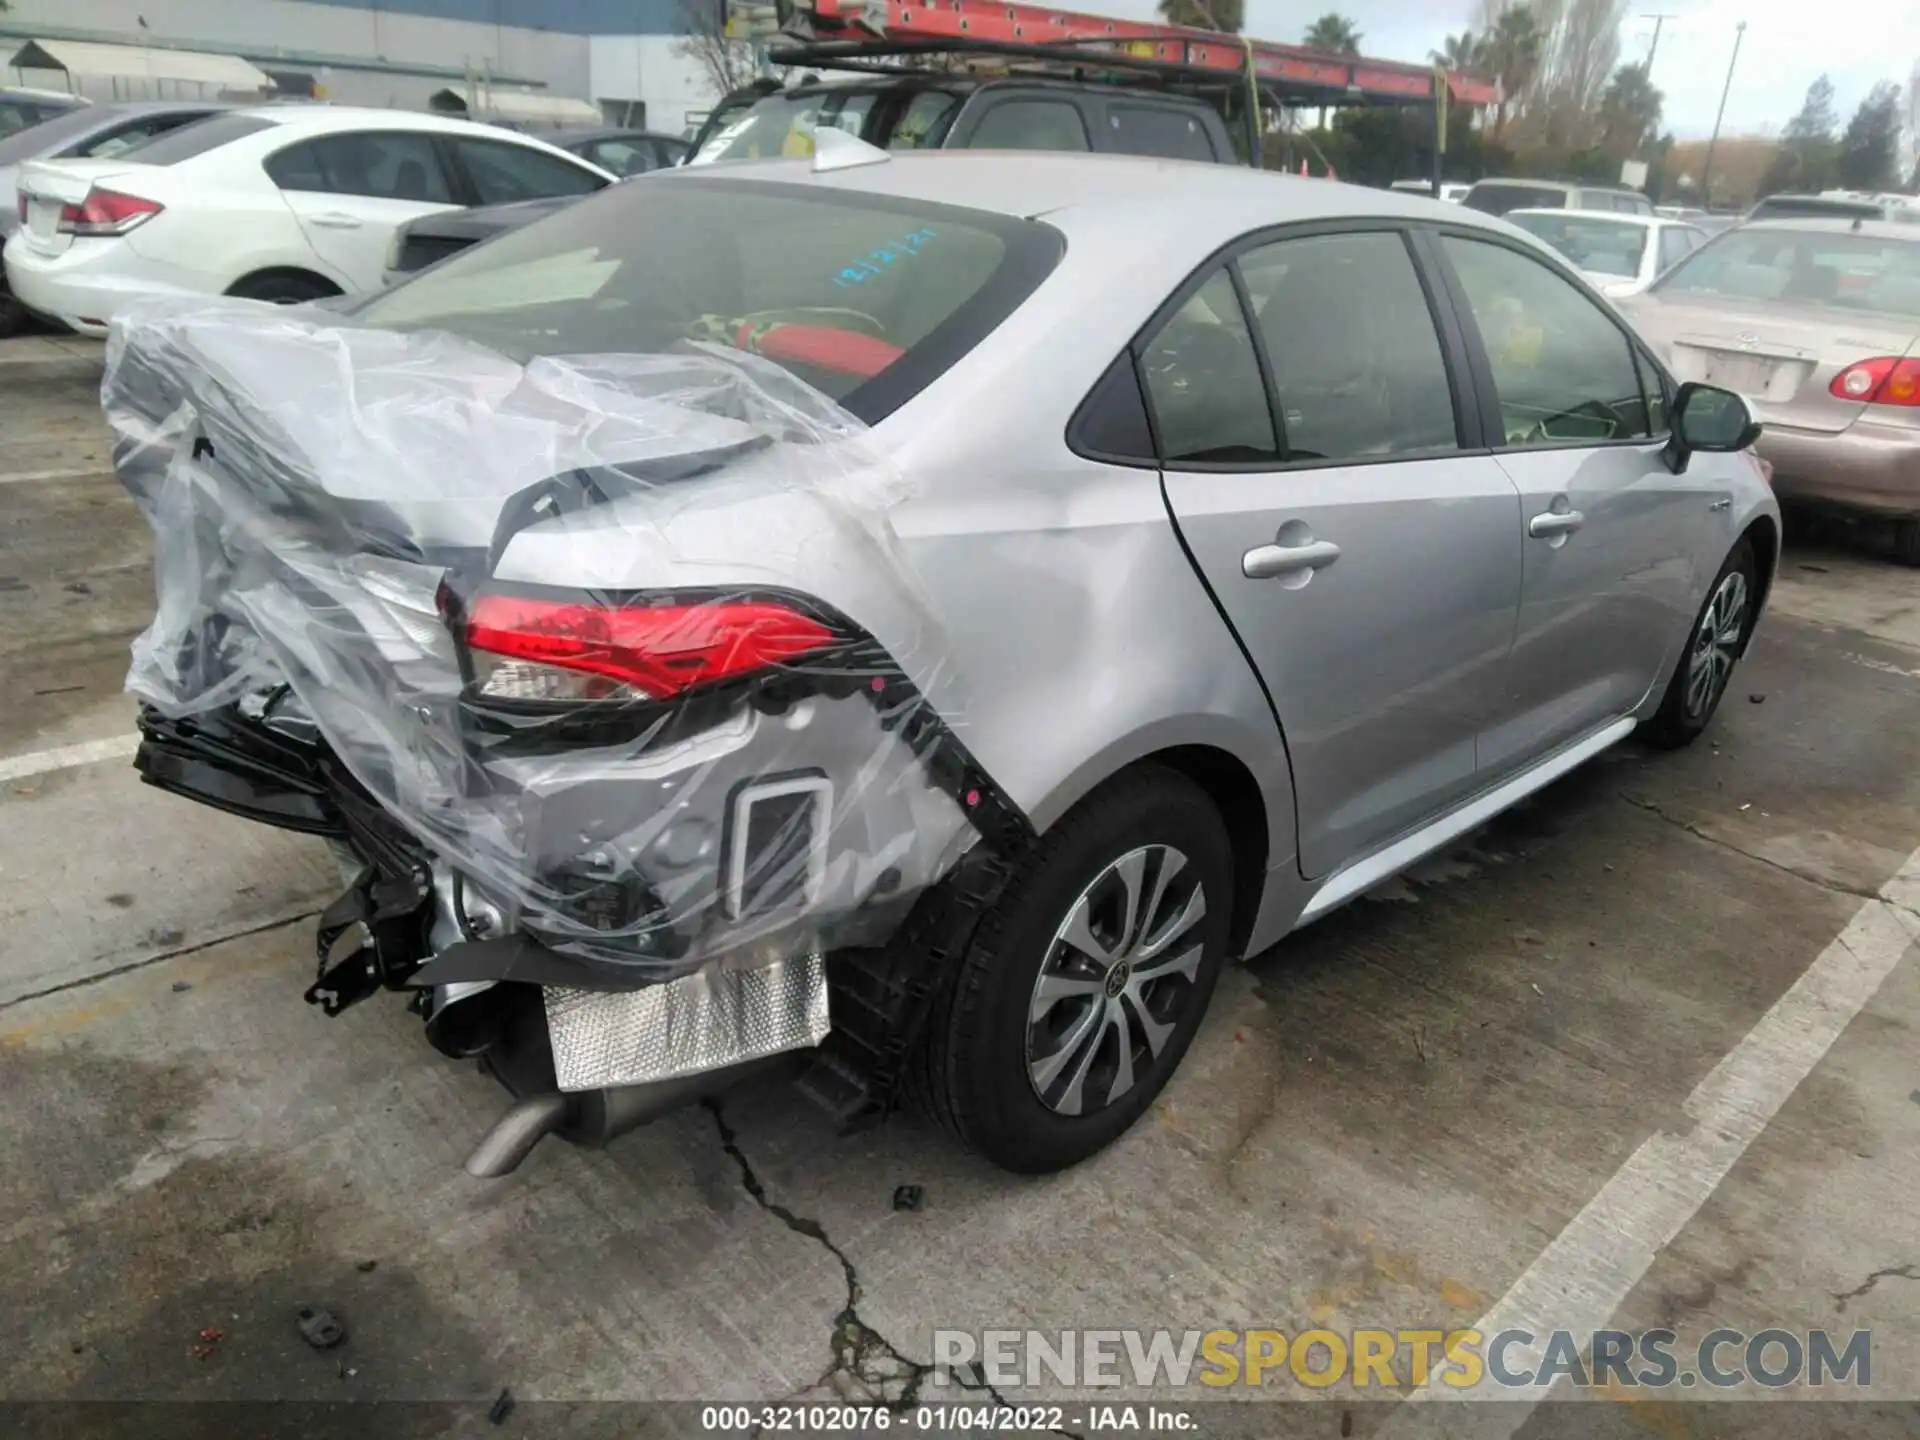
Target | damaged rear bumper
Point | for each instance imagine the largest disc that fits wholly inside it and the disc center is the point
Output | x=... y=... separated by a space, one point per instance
x=588 y=1050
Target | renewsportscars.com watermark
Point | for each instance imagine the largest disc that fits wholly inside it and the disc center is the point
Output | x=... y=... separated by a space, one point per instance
x=1506 y=1360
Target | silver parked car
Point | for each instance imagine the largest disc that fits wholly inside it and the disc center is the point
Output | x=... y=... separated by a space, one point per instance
x=924 y=614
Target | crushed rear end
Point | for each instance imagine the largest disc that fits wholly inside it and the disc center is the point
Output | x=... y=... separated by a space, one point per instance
x=602 y=675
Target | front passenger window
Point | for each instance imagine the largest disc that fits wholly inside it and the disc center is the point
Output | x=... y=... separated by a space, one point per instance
x=1203 y=381
x=1563 y=372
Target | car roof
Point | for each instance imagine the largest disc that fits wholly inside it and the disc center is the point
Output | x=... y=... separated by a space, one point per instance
x=1837 y=225
x=1157 y=195
x=567 y=136
x=321 y=116
x=1645 y=222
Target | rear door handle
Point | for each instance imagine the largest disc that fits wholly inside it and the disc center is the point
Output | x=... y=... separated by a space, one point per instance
x=335 y=220
x=1265 y=561
x=1552 y=523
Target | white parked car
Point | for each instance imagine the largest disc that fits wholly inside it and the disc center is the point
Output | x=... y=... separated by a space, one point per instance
x=275 y=202
x=1617 y=254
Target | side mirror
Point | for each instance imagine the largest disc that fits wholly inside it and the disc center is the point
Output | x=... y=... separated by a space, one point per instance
x=1711 y=421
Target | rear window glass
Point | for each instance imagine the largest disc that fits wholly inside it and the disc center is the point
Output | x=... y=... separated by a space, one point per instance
x=1848 y=272
x=1779 y=206
x=1157 y=130
x=197 y=139
x=863 y=298
x=1497 y=197
x=1605 y=247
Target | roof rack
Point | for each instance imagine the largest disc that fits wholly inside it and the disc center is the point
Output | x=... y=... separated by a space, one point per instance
x=854 y=34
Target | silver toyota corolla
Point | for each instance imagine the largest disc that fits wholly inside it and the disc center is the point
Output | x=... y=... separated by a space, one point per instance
x=916 y=617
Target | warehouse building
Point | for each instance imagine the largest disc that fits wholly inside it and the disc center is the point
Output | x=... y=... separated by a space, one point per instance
x=515 y=60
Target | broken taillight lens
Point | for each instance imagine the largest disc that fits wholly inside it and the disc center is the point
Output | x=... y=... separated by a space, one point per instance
x=535 y=648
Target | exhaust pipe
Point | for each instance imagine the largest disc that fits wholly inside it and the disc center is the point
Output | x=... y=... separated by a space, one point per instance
x=593 y=1118
x=515 y=1133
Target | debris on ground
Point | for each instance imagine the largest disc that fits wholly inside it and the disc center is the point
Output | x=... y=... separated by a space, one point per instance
x=319 y=1328
x=209 y=1339
x=501 y=1408
x=367 y=1267
x=1756 y=699
x=180 y=987
x=908 y=1197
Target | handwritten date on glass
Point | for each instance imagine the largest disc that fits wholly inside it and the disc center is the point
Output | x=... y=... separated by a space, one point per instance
x=881 y=259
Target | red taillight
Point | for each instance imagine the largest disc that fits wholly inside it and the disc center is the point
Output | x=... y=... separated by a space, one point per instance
x=107 y=212
x=569 y=650
x=1883 y=380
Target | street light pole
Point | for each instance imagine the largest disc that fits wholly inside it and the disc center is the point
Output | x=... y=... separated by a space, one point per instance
x=1654 y=48
x=1706 y=170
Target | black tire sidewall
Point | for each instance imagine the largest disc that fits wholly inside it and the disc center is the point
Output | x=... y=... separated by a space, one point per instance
x=1673 y=725
x=987 y=1056
x=283 y=290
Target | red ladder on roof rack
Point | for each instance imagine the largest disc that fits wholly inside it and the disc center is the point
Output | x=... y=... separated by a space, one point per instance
x=1293 y=71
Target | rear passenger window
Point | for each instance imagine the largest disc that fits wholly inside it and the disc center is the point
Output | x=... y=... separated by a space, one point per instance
x=1563 y=372
x=1157 y=130
x=1351 y=342
x=503 y=173
x=1203 y=381
x=1031 y=125
x=387 y=165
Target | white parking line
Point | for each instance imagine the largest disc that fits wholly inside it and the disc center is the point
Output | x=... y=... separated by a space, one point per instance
x=82 y=473
x=1580 y=1281
x=88 y=752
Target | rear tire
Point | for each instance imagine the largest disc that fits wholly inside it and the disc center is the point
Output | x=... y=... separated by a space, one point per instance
x=1906 y=541
x=284 y=288
x=13 y=316
x=1715 y=644
x=1140 y=875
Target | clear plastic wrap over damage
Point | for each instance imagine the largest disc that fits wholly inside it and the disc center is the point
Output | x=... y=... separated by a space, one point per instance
x=625 y=641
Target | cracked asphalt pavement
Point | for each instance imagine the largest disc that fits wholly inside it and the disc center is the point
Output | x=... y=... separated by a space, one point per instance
x=1386 y=1121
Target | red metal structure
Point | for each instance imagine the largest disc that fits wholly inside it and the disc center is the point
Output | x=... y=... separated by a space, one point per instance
x=1285 y=74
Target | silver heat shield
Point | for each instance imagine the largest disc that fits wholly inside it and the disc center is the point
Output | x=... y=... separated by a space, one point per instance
x=709 y=1019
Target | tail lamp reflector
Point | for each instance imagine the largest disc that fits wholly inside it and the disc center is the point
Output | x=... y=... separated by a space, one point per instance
x=1883 y=380
x=537 y=648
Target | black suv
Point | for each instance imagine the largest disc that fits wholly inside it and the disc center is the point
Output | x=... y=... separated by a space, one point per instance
x=936 y=112
x=896 y=112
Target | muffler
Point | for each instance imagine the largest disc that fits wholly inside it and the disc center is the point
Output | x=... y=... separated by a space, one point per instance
x=594 y=1118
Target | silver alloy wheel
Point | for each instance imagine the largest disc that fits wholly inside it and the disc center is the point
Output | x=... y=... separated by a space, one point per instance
x=1116 y=980
x=1716 y=645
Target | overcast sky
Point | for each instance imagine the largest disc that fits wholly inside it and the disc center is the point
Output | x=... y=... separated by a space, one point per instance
x=1788 y=44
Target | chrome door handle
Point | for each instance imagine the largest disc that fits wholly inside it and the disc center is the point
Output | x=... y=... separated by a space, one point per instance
x=334 y=220
x=1552 y=523
x=1265 y=561
x=1721 y=504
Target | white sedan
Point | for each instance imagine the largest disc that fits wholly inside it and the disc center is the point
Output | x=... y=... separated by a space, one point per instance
x=277 y=202
x=1618 y=254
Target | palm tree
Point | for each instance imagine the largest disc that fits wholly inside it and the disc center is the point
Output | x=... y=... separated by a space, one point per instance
x=1512 y=52
x=1226 y=15
x=1629 y=111
x=1464 y=51
x=1333 y=31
